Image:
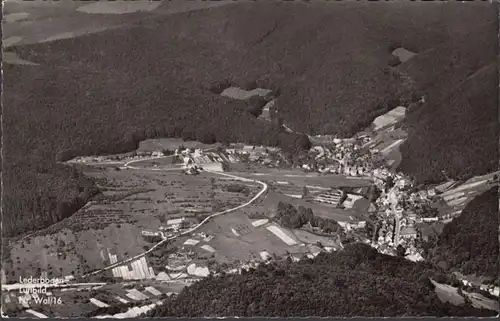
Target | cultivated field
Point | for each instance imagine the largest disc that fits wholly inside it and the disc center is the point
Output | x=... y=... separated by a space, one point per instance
x=269 y=204
x=236 y=239
x=447 y=293
x=78 y=304
x=132 y=201
x=310 y=238
x=73 y=252
x=40 y=21
x=481 y=302
x=162 y=163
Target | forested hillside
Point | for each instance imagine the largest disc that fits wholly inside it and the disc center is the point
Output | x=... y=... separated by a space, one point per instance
x=469 y=243
x=355 y=282
x=328 y=61
x=457 y=129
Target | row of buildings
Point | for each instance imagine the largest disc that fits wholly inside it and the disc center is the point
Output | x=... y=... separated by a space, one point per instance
x=341 y=157
x=397 y=222
x=219 y=160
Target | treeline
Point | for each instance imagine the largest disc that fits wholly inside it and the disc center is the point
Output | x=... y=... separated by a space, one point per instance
x=237 y=188
x=103 y=93
x=291 y=217
x=39 y=192
x=355 y=282
x=38 y=196
x=455 y=133
x=469 y=243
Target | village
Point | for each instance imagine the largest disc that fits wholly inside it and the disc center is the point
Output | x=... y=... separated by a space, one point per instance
x=389 y=212
x=400 y=214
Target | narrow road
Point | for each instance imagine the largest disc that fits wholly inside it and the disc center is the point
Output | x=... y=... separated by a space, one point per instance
x=191 y=230
x=398 y=230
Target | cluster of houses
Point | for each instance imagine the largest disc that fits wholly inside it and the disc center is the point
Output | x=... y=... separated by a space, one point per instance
x=175 y=226
x=268 y=156
x=493 y=290
x=218 y=160
x=399 y=222
x=197 y=158
x=341 y=157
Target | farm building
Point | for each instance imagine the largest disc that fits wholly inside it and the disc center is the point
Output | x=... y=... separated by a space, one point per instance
x=176 y=221
x=148 y=233
x=194 y=211
x=430 y=219
x=213 y=167
x=157 y=154
x=151 y=236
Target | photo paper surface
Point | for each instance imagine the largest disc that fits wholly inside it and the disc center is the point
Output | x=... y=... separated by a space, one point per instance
x=249 y=159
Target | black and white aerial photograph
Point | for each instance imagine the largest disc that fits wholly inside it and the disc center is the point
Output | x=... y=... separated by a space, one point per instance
x=250 y=158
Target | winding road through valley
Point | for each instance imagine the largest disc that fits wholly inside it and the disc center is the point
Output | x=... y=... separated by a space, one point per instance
x=191 y=230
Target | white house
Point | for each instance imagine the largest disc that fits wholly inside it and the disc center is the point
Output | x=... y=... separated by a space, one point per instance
x=157 y=154
x=213 y=167
x=176 y=221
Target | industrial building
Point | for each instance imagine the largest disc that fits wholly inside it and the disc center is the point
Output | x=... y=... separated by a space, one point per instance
x=332 y=197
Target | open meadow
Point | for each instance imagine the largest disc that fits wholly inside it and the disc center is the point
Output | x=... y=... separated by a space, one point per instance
x=131 y=201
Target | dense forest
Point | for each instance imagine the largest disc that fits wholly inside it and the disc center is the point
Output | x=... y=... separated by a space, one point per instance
x=469 y=243
x=355 y=282
x=459 y=141
x=326 y=62
x=455 y=132
x=43 y=192
x=291 y=217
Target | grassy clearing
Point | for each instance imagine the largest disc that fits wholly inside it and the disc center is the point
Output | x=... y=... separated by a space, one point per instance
x=447 y=293
x=230 y=248
x=299 y=178
x=131 y=202
x=310 y=238
x=481 y=302
x=198 y=49
x=73 y=253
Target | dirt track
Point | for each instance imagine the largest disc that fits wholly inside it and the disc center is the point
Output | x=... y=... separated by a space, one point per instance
x=262 y=192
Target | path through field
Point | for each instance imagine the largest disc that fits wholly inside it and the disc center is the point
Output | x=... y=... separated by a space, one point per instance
x=125 y=261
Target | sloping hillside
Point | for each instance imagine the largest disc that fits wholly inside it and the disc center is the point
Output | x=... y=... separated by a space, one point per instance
x=457 y=134
x=469 y=243
x=357 y=281
x=102 y=93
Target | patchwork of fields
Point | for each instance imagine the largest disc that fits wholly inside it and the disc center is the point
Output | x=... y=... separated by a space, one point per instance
x=132 y=201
